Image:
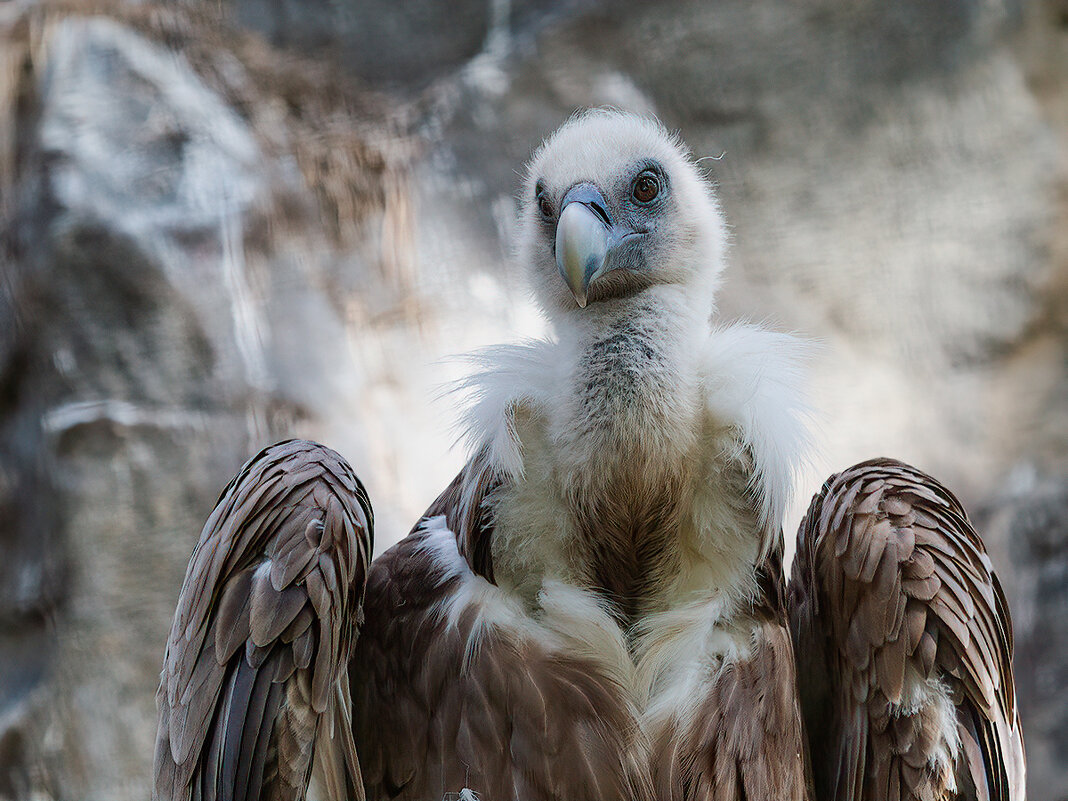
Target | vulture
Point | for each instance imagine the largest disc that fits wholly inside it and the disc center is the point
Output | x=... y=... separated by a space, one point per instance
x=596 y=607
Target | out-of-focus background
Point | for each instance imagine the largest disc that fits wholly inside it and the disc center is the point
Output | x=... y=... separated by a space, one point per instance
x=229 y=222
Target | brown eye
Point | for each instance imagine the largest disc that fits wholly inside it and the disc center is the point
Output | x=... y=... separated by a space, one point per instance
x=646 y=188
x=545 y=206
x=541 y=197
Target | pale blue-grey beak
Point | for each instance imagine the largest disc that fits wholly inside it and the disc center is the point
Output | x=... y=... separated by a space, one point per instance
x=584 y=235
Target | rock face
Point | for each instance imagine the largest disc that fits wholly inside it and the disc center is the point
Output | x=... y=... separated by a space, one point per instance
x=1029 y=520
x=211 y=242
x=164 y=324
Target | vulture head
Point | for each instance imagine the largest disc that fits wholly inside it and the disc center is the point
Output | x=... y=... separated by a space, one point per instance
x=613 y=205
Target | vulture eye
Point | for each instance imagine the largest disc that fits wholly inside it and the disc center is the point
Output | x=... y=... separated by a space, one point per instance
x=545 y=206
x=646 y=187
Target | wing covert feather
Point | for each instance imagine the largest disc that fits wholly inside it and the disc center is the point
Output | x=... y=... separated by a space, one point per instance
x=266 y=618
x=745 y=740
x=464 y=505
x=904 y=644
x=454 y=687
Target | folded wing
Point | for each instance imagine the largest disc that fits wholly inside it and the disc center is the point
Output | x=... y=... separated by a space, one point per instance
x=904 y=644
x=253 y=681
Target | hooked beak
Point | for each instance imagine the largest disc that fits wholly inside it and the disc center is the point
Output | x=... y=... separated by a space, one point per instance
x=584 y=236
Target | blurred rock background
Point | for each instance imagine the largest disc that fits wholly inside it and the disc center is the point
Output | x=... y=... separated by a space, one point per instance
x=228 y=222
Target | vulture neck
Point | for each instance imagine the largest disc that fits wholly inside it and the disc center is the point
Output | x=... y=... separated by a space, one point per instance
x=627 y=435
x=633 y=370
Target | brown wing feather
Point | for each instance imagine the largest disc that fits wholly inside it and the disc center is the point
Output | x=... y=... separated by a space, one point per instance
x=463 y=503
x=452 y=690
x=904 y=644
x=745 y=738
x=263 y=630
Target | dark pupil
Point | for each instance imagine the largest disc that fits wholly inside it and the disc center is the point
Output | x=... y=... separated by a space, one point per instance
x=545 y=206
x=646 y=189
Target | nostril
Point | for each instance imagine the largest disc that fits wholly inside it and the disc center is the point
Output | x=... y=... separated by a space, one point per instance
x=601 y=212
x=592 y=198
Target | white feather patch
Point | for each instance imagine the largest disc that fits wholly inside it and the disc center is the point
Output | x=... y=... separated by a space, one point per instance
x=753 y=380
x=680 y=653
x=570 y=620
x=509 y=376
x=920 y=694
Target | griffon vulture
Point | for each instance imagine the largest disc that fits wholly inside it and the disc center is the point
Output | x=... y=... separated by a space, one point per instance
x=595 y=608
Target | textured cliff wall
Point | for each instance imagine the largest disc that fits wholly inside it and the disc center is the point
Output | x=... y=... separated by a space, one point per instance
x=223 y=225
